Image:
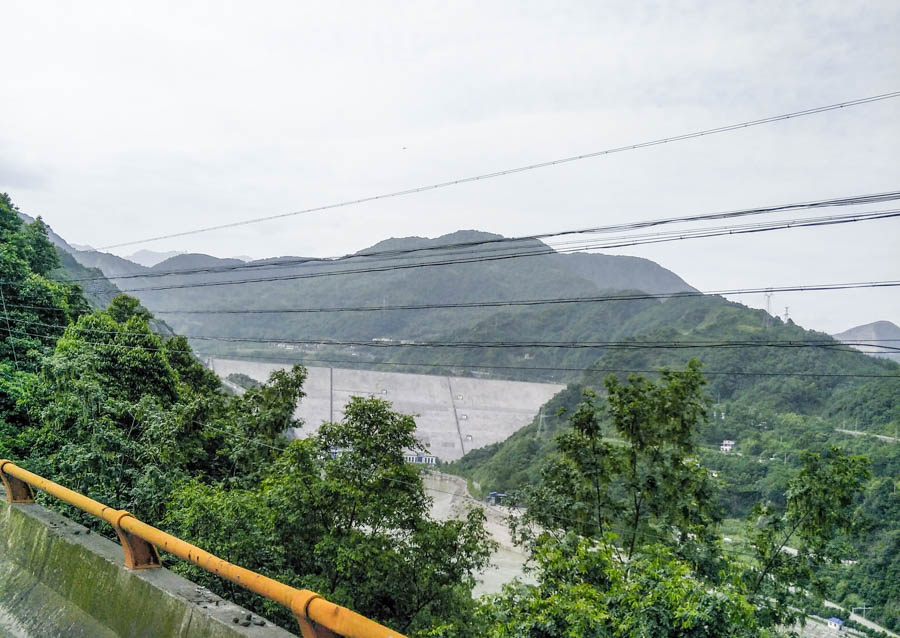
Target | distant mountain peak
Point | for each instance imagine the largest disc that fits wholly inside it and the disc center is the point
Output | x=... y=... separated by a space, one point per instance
x=416 y=242
x=184 y=261
x=150 y=258
x=877 y=331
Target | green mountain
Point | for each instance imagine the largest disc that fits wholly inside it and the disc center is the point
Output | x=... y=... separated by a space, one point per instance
x=772 y=401
x=812 y=382
x=98 y=290
x=376 y=276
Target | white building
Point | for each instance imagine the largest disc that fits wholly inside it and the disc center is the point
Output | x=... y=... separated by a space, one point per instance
x=420 y=459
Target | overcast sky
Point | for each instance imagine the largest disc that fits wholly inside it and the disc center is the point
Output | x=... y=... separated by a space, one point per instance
x=120 y=121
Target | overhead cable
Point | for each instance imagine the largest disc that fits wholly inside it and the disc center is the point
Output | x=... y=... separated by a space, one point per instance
x=546 y=250
x=494 y=303
x=521 y=169
x=449 y=248
x=628 y=344
x=455 y=365
x=541 y=302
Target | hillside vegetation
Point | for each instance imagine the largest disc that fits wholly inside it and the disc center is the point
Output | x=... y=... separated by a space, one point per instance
x=772 y=418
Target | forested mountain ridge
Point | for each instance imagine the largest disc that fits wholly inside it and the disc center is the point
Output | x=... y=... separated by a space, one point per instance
x=98 y=290
x=378 y=276
x=774 y=402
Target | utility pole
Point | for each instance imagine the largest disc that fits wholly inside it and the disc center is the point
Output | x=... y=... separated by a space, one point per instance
x=331 y=395
x=863 y=607
x=768 y=310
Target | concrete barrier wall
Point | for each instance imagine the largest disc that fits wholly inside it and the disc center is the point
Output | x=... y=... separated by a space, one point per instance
x=59 y=580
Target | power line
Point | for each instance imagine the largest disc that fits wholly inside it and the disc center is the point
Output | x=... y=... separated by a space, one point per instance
x=450 y=248
x=521 y=169
x=542 y=302
x=523 y=302
x=837 y=219
x=461 y=365
x=634 y=344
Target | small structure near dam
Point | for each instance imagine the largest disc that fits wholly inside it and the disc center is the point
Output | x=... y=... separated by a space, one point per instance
x=454 y=415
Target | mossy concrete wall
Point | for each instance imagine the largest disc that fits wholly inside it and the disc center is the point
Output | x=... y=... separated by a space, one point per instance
x=58 y=580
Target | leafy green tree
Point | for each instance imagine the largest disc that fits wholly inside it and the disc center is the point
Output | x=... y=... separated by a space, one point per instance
x=341 y=513
x=41 y=254
x=35 y=310
x=122 y=308
x=792 y=544
x=632 y=470
x=623 y=530
x=585 y=591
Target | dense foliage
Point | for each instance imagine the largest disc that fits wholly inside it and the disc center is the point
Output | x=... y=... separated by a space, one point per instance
x=100 y=402
x=623 y=529
x=767 y=453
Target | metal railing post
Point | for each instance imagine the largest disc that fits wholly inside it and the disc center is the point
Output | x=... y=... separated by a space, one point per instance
x=17 y=490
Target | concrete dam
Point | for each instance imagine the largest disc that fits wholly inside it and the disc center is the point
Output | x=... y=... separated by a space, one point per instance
x=454 y=415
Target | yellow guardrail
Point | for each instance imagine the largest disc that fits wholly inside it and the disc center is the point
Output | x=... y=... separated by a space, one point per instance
x=317 y=617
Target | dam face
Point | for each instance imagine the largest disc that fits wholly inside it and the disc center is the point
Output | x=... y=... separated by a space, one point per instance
x=454 y=415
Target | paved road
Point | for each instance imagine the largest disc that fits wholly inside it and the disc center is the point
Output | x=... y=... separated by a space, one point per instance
x=881 y=437
x=450 y=500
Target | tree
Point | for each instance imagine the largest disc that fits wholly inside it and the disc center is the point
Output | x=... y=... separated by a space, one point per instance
x=122 y=308
x=623 y=536
x=583 y=590
x=348 y=518
x=792 y=544
x=630 y=468
x=35 y=310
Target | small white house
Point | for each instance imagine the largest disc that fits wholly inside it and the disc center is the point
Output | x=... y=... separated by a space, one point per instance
x=835 y=623
x=727 y=446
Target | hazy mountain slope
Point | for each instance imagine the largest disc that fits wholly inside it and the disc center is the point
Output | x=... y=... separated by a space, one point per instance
x=111 y=265
x=492 y=272
x=185 y=261
x=883 y=331
x=57 y=241
x=98 y=290
x=616 y=271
